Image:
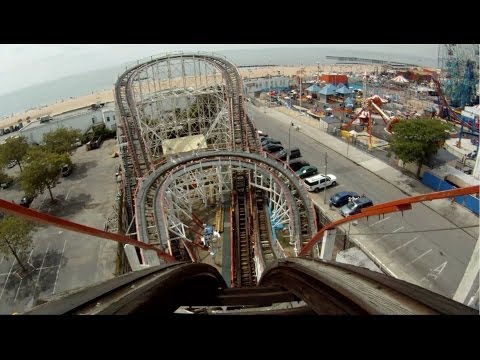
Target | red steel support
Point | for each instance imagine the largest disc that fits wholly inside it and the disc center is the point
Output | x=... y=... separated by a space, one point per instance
x=388 y=207
x=189 y=251
x=197 y=220
x=41 y=218
x=232 y=225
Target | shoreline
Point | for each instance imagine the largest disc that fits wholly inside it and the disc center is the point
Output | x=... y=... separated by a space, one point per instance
x=64 y=105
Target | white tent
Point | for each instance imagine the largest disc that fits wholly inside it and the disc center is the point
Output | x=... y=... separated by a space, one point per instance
x=400 y=79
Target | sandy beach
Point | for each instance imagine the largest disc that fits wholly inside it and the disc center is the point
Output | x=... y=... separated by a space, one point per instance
x=108 y=95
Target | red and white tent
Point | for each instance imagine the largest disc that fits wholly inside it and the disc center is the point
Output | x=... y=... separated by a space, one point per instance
x=400 y=79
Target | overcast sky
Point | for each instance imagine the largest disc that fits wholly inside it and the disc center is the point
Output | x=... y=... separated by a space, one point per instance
x=23 y=65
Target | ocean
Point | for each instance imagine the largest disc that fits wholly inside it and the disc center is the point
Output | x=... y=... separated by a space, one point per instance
x=104 y=79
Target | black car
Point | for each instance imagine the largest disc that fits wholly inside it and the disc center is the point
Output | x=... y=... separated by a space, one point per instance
x=26 y=201
x=272 y=147
x=66 y=170
x=269 y=140
x=294 y=153
x=297 y=164
x=6 y=183
x=341 y=198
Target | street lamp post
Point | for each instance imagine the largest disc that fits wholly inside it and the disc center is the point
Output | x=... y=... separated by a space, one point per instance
x=288 y=150
x=325 y=188
x=300 y=87
x=300 y=93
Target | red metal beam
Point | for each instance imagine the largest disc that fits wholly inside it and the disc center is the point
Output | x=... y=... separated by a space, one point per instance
x=348 y=124
x=308 y=246
x=232 y=254
x=475 y=189
x=388 y=207
x=190 y=251
x=41 y=218
x=197 y=220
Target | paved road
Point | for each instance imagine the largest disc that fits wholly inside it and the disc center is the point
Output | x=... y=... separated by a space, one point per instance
x=61 y=260
x=413 y=245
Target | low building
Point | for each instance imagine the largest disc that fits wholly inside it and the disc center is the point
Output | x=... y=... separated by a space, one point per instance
x=81 y=119
x=343 y=92
x=313 y=90
x=326 y=93
x=334 y=78
x=254 y=86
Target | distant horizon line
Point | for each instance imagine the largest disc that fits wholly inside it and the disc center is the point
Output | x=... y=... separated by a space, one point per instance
x=124 y=64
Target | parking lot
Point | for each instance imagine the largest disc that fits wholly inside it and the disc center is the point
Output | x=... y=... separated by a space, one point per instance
x=61 y=260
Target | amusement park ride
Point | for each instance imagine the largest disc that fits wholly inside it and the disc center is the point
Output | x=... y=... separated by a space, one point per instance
x=370 y=105
x=457 y=85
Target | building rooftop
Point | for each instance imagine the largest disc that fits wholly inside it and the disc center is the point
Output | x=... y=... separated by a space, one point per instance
x=67 y=115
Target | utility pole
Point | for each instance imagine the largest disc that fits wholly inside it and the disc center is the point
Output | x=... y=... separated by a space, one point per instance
x=318 y=72
x=348 y=143
x=300 y=94
x=325 y=188
x=288 y=150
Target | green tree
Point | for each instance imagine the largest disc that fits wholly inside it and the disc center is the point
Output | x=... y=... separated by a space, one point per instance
x=42 y=171
x=417 y=140
x=15 y=236
x=14 y=148
x=62 y=140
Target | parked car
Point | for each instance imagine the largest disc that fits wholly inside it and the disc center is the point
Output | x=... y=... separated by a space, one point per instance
x=272 y=147
x=320 y=181
x=94 y=143
x=355 y=206
x=26 y=201
x=294 y=153
x=6 y=183
x=66 y=170
x=269 y=140
x=297 y=164
x=306 y=171
x=262 y=134
x=472 y=155
x=12 y=163
x=342 y=197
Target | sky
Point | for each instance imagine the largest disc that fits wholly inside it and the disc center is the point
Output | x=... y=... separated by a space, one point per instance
x=23 y=65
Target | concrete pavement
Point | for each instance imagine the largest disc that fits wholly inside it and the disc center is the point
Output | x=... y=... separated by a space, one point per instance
x=431 y=262
x=62 y=260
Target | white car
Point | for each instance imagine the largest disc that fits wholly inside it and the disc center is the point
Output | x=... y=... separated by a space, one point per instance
x=320 y=181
